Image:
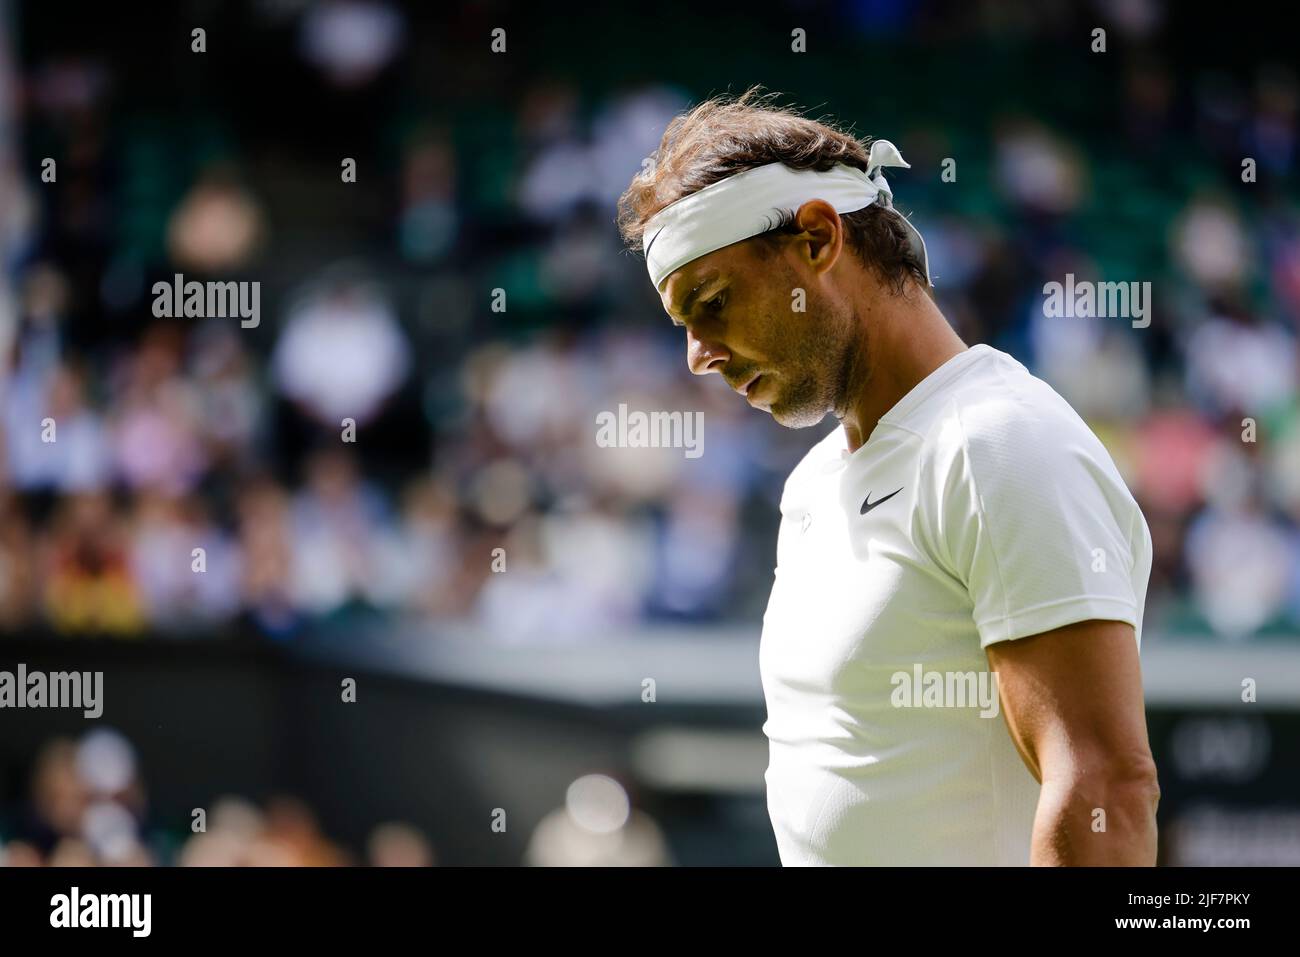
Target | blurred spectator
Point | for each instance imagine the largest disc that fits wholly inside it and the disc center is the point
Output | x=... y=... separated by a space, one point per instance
x=429 y=223
x=264 y=544
x=156 y=421
x=342 y=353
x=597 y=827
x=179 y=589
x=1209 y=243
x=216 y=228
x=336 y=521
x=399 y=845
x=18 y=583
x=1239 y=364
x=57 y=442
x=351 y=40
x=87 y=576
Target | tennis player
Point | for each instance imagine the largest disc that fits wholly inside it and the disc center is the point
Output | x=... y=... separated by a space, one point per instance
x=962 y=531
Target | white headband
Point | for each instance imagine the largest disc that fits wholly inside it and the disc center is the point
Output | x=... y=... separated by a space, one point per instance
x=750 y=203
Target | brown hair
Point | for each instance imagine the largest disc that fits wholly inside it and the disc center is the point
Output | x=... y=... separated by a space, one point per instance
x=726 y=135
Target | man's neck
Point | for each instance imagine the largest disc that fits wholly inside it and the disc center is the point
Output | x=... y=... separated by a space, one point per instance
x=908 y=339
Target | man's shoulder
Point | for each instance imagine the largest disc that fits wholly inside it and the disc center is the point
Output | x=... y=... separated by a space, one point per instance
x=1007 y=435
x=998 y=406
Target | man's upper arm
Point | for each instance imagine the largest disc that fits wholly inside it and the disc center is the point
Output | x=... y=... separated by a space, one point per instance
x=1072 y=700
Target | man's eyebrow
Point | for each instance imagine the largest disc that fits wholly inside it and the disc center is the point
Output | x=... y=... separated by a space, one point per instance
x=685 y=308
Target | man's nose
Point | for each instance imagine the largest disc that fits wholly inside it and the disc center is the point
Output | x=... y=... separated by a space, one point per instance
x=704 y=356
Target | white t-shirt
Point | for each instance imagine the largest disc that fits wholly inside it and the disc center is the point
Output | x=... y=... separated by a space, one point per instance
x=981 y=509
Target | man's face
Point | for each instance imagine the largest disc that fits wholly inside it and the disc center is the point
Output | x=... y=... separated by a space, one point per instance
x=738 y=305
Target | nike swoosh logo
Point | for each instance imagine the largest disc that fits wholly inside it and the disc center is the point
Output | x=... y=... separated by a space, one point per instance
x=868 y=505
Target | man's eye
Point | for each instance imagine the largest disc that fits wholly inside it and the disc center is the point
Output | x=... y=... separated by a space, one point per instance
x=715 y=304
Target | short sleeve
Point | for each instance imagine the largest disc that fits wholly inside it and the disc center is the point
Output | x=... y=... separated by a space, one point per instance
x=1035 y=520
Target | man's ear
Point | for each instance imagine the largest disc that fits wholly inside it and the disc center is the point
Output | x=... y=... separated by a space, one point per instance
x=821 y=234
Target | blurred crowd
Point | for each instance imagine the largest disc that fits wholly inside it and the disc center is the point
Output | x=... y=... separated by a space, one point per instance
x=438 y=337
x=88 y=807
x=154 y=499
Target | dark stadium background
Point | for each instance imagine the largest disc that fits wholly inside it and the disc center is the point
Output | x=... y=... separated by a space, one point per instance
x=475 y=428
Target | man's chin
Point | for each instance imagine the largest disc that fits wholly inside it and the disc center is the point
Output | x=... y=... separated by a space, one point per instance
x=801 y=416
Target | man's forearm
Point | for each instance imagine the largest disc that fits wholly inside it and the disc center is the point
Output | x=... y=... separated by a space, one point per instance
x=1096 y=820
